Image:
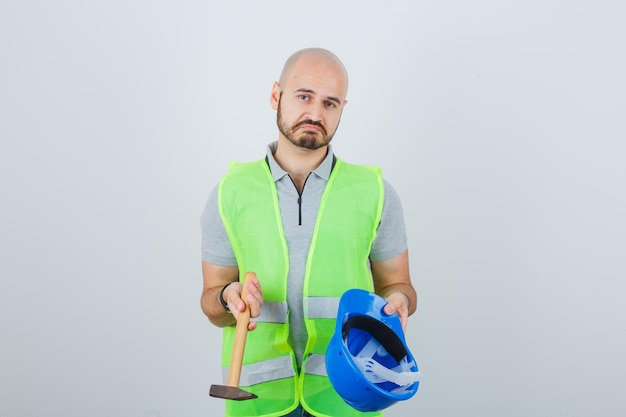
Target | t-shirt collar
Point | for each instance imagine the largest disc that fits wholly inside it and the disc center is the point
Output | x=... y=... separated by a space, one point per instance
x=322 y=171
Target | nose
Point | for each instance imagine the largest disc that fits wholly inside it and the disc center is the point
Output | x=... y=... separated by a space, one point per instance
x=316 y=112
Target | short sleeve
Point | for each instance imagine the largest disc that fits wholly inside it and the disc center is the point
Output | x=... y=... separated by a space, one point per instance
x=216 y=247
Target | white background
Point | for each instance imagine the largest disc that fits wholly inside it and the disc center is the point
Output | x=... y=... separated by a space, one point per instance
x=501 y=125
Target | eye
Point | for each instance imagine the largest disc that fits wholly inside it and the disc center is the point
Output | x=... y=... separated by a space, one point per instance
x=303 y=97
x=331 y=104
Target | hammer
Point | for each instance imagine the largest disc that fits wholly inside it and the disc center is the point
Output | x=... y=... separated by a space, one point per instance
x=232 y=390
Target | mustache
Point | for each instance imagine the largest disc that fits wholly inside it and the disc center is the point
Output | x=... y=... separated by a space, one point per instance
x=310 y=122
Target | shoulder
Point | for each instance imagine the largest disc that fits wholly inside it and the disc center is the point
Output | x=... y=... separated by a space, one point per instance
x=390 y=190
x=245 y=173
x=357 y=167
x=359 y=174
x=392 y=199
x=243 y=168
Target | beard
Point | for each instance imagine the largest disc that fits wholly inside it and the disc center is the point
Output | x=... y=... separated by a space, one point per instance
x=305 y=139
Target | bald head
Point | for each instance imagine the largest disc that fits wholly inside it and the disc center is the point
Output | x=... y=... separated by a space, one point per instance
x=318 y=56
x=309 y=99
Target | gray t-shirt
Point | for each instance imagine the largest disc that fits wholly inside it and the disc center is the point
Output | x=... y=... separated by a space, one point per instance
x=299 y=213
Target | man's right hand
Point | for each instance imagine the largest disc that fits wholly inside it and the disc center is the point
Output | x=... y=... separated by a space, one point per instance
x=215 y=278
x=232 y=296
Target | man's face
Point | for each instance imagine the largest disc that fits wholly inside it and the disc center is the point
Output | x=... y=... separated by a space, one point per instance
x=310 y=104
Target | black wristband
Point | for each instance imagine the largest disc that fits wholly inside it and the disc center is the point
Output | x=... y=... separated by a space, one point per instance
x=226 y=309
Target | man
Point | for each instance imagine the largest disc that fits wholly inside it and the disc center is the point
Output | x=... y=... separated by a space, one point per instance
x=311 y=227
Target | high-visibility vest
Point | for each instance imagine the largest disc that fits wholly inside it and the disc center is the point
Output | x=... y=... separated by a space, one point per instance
x=348 y=216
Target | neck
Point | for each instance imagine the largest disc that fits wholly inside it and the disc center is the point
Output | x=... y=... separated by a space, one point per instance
x=298 y=162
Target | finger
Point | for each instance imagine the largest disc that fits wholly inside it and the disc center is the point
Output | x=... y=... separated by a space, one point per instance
x=255 y=306
x=255 y=289
x=401 y=311
x=393 y=305
x=255 y=298
x=237 y=308
x=257 y=285
x=404 y=320
x=254 y=295
x=389 y=309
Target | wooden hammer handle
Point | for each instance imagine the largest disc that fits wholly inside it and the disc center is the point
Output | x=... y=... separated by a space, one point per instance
x=241 y=331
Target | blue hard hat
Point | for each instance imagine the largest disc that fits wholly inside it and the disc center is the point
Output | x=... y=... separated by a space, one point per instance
x=367 y=360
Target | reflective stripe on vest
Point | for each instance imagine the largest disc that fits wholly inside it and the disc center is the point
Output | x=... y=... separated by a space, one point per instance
x=315 y=365
x=265 y=371
x=277 y=368
x=314 y=307
x=321 y=307
x=273 y=312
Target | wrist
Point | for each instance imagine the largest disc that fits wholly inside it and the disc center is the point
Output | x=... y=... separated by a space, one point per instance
x=221 y=298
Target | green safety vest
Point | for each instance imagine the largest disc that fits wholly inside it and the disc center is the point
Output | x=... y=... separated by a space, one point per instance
x=348 y=216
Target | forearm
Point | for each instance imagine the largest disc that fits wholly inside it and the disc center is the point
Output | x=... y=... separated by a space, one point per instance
x=391 y=276
x=215 y=278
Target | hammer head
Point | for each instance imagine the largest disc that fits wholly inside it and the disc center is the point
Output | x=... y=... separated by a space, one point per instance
x=230 y=393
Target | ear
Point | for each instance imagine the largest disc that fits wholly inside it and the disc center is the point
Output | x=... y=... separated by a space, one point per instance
x=275 y=96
